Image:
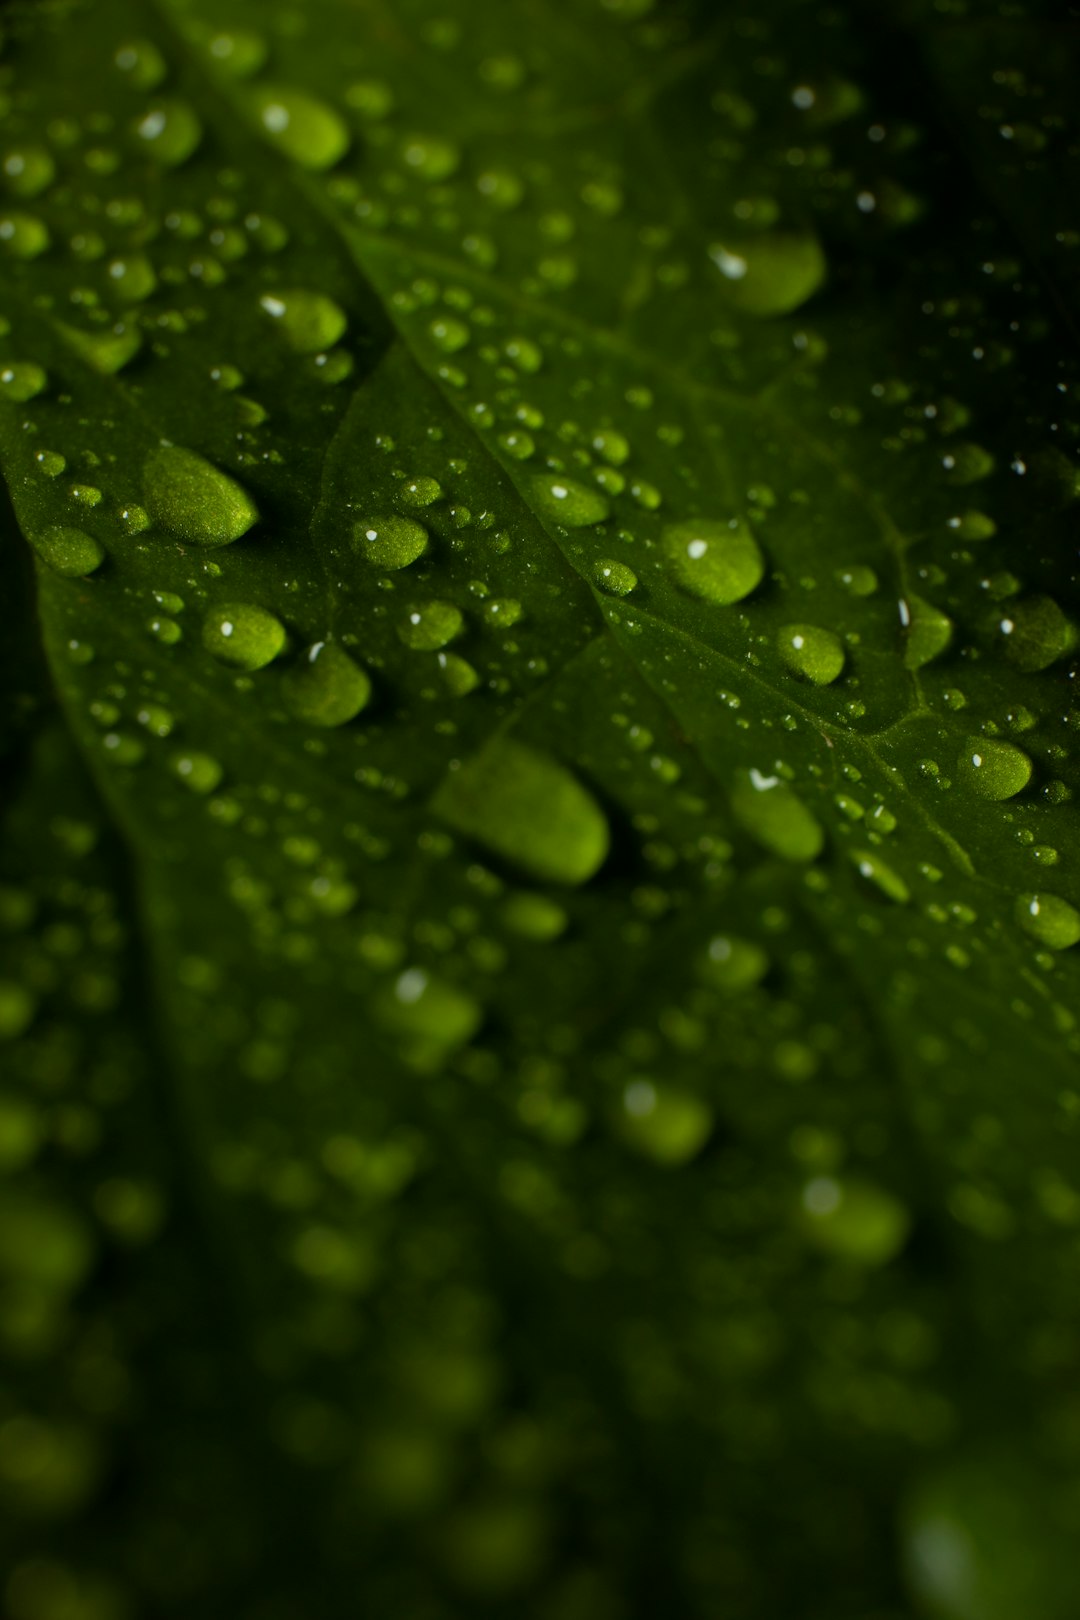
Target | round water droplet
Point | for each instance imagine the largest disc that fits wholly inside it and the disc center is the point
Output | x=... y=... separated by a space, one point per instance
x=733 y=964
x=718 y=562
x=28 y=170
x=390 y=542
x=770 y=274
x=239 y=52
x=992 y=768
x=612 y=445
x=854 y=1220
x=814 y=654
x=563 y=500
x=420 y=492
x=300 y=126
x=195 y=500
x=22 y=380
x=200 y=772
x=503 y=611
x=308 y=321
x=431 y=157
x=613 y=577
x=17 y=1009
x=23 y=236
x=972 y=526
x=167 y=631
x=141 y=63
x=1036 y=633
x=327 y=689
x=170 y=131
x=520 y=445
x=663 y=1123
x=767 y=809
x=243 y=635
x=459 y=677
x=966 y=463
x=132 y=278
x=859 y=580
x=1049 y=919
x=534 y=917
x=431 y=625
x=107 y=350
x=69 y=552
x=526 y=807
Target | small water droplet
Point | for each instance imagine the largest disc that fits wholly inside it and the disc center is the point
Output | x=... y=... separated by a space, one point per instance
x=534 y=917
x=928 y=632
x=666 y=1124
x=431 y=157
x=300 y=126
x=1049 y=919
x=141 y=63
x=243 y=635
x=389 y=542
x=769 y=810
x=856 y=1221
x=431 y=625
x=966 y=463
x=105 y=351
x=733 y=964
x=23 y=236
x=327 y=688
x=814 y=654
x=881 y=875
x=458 y=674
x=69 y=552
x=308 y=321
x=563 y=500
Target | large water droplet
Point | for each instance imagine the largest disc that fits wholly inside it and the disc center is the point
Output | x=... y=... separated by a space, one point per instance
x=69 y=552
x=884 y=878
x=814 y=654
x=389 y=542
x=526 y=807
x=565 y=501
x=243 y=635
x=665 y=1124
x=300 y=126
x=132 y=278
x=1049 y=919
x=770 y=812
x=966 y=463
x=170 y=131
x=856 y=1221
x=992 y=768
x=195 y=500
x=1036 y=633
x=141 y=63
x=431 y=157
x=718 y=562
x=770 y=274
x=308 y=321
x=327 y=689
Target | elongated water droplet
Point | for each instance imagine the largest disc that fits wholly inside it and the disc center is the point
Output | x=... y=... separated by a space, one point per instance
x=195 y=500
x=966 y=463
x=459 y=676
x=430 y=626
x=770 y=812
x=565 y=501
x=21 y=381
x=389 y=542
x=141 y=63
x=239 y=52
x=327 y=689
x=308 y=321
x=431 y=1016
x=132 y=278
x=718 y=562
x=526 y=807
x=1036 y=633
x=243 y=635
x=431 y=157
x=664 y=1123
x=107 y=351
x=69 y=552
x=770 y=274
x=300 y=126
x=992 y=768
x=1049 y=919
x=732 y=964
x=881 y=875
x=928 y=632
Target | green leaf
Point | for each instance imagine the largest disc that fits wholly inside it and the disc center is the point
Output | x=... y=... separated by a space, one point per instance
x=539 y=891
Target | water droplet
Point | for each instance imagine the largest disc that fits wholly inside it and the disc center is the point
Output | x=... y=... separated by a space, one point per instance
x=239 y=52
x=563 y=500
x=431 y=157
x=171 y=132
x=854 y=1220
x=132 y=278
x=770 y=274
x=69 y=552
x=1036 y=633
x=243 y=635
x=17 y=1009
x=993 y=769
x=528 y=808
x=966 y=463
x=141 y=63
x=534 y=917
x=167 y=631
x=733 y=964
x=21 y=381
x=814 y=654
x=458 y=675
x=612 y=445
x=526 y=355
x=972 y=526
x=390 y=542
x=431 y=625
x=327 y=689
x=519 y=445
x=23 y=236
x=1049 y=919
x=928 y=632
x=370 y=97
x=308 y=321
x=883 y=877
x=200 y=772
x=718 y=562
x=613 y=577
x=448 y=334
x=300 y=126
x=105 y=351
x=420 y=492
x=195 y=500
x=28 y=170
x=665 y=1124
x=502 y=612
x=772 y=813
x=435 y=1015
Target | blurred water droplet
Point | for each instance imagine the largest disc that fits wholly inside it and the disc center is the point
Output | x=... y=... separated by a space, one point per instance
x=69 y=552
x=326 y=688
x=195 y=500
x=1049 y=919
x=308 y=321
x=300 y=126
